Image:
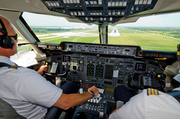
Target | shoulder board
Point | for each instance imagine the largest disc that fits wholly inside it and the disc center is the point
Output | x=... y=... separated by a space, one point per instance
x=151 y=91
x=14 y=67
x=8 y=65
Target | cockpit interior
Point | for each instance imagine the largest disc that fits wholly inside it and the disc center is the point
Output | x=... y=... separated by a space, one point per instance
x=103 y=63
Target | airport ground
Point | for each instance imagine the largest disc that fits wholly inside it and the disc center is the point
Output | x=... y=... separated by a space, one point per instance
x=148 y=39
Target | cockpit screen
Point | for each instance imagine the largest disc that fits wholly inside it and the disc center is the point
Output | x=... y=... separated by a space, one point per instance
x=140 y=66
x=66 y=58
x=109 y=71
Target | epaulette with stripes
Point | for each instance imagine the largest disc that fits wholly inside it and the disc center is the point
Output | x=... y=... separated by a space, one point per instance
x=14 y=67
x=151 y=91
x=8 y=65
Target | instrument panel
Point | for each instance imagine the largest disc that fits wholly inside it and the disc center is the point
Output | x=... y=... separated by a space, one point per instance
x=118 y=65
x=106 y=67
x=101 y=49
x=109 y=71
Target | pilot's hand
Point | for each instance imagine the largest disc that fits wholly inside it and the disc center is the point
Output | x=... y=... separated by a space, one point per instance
x=42 y=69
x=94 y=89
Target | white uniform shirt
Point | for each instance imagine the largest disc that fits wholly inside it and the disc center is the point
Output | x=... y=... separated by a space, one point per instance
x=26 y=90
x=143 y=106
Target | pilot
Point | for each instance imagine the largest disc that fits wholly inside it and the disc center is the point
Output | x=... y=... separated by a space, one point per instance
x=149 y=104
x=27 y=91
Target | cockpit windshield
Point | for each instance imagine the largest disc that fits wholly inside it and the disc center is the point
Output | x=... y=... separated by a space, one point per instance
x=156 y=32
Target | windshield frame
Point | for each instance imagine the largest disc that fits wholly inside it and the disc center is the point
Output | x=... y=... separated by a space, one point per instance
x=28 y=27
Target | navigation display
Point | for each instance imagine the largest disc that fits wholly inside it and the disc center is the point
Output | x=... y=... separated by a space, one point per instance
x=66 y=58
x=140 y=66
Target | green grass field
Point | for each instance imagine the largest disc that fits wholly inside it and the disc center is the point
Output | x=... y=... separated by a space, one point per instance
x=147 y=40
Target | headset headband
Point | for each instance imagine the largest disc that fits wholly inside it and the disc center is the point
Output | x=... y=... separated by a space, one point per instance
x=3 y=29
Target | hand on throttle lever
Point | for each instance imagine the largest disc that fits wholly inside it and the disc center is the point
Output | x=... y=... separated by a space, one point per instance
x=42 y=69
x=94 y=89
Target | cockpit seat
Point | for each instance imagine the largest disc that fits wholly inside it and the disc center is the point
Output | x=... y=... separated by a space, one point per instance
x=175 y=94
x=8 y=112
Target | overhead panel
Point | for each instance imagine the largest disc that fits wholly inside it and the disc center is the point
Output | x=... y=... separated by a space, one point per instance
x=91 y=11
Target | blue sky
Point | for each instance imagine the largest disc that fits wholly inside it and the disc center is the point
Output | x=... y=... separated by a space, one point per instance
x=165 y=20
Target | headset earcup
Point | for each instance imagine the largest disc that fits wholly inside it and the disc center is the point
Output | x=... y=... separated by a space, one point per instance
x=8 y=42
x=11 y=41
x=5 y=40
x=1 y=44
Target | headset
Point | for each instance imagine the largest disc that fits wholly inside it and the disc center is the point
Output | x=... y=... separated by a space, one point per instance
x=5 y=40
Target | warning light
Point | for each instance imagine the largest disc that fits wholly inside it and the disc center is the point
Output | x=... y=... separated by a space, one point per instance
x=178 y=53
x=159 y=76
x=156 y=55
x=59 y=48
x=142 y=54
x=162 y=58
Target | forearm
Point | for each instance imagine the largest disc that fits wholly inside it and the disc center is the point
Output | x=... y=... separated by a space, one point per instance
x=67 y=101
x=77 y=99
